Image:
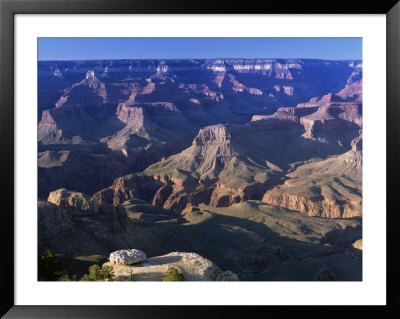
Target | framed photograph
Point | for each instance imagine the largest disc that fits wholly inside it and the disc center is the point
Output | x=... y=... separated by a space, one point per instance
x=247 y=153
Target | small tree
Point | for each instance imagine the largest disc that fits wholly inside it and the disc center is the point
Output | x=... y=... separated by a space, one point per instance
x=49 y=269
x=173 y=274
x=99 y=274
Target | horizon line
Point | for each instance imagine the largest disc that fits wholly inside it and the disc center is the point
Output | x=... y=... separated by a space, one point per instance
x=215 y=58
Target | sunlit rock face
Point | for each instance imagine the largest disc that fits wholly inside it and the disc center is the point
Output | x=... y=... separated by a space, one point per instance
x=117 y=81
x=252 y=164
x=214 y=131
x=89 y=94
x=127 y=256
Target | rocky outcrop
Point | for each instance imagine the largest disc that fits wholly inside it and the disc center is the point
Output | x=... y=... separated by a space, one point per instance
x=357 y=244
x=61 y=124
x=288 y=90
x=353 y=89
x=193 y=267
x=215 y=134
x=47 y=128
x=276 y=121
x=89 y=171
x=130 y=187
x=314 y=204
x=77 y=201
x=172 y=185
x=319 y=115
x=90 y=86
x=342 y=115
x=52 y=220
x=222 y=168
x=130 y=114
x=329 y=188
x=340 y=121
x=298 y=112
x=127 y=256
x=81 y=207
x=323 y=100
x=50 y=159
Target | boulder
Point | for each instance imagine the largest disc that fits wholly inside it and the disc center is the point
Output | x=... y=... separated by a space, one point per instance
x=127 y=256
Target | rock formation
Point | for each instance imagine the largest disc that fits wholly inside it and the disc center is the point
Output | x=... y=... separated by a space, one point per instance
x=177 y=155
x=80 y=208
x=79 y=201
x=127 y=256
x=357 y=244
x=227 y=164
x=193 y=267
x=52 y=220
x=88 y=108
x=329 y=188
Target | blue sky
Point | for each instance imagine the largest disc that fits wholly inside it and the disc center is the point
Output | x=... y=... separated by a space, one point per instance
x=180 y=48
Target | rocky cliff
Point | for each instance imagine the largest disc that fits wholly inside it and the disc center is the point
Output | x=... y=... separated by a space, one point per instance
x=329 y=188
x=227 y=164
x=261 y=156
x=52 y=220
x=122 y=116
x=64 y=210
x=193 y=267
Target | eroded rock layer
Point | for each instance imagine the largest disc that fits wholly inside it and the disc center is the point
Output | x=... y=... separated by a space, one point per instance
x=227 y=164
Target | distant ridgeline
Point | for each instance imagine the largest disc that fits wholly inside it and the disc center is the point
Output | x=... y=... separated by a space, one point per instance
x=239 y=84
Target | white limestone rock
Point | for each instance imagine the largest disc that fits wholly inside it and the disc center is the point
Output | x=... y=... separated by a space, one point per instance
x=127 y=256
x=193 y=267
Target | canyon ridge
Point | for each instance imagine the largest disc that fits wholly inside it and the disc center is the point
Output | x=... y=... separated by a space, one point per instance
x=253 y=165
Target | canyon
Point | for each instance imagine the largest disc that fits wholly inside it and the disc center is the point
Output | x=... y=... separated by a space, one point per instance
x=263 y=156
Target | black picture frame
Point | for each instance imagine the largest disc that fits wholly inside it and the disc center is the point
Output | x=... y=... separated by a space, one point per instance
x=8 y=8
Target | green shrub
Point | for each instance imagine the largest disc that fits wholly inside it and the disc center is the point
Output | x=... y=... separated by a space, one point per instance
x=173 y=275
x=99 y=274
x=49 y=269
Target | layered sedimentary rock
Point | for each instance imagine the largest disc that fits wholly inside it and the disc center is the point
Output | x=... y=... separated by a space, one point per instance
x=139 y=105
x=200 y=174
x=146 y=110
x=225 y=81
x=219 y=142
x=52 y=220
x=79 y=169
x=228 y=164
x=353 y=88
x=80 y=208
x=329 y=188
x=70 y=199
x=146 y=123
